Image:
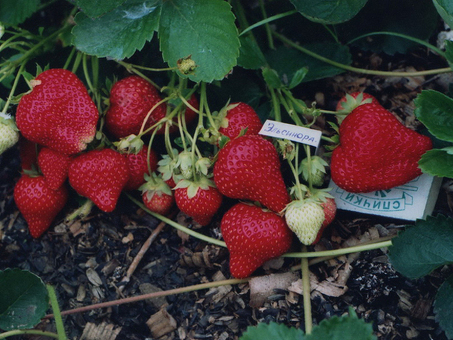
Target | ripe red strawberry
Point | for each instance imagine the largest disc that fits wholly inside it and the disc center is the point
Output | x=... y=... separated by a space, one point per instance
x=253 y=236
x=157 y=195
x=58 y=112
x=38 y=203
x=54 y=166
x=28 y=153
x=240 y=116
x=138 y=167
x=376 y=151
x=350 y=101
x=99 y=175
x=248 y=168
x=200 y=200
x=131 y=99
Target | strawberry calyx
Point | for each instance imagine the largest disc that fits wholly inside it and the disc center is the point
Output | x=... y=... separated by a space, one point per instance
x=154 y=185
x=313 y=170
x=352 y=102
x=202 y=183
x=129 y=144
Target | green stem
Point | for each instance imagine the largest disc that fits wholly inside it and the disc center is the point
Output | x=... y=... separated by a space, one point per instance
x=275 y=105
x=310 y=177
x=267 y=20
x=28 y=332
x=342 y=251
x=306 y=290
x=360 y=70
x=266 y=25
x=131 y=68
x=13 y=88
x=56 y=311
x=187 y=289
x=177 y=225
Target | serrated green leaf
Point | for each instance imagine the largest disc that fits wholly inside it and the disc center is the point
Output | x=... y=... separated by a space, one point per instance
x=272 y=331
x=437 y=162
x=445 y=10
x=422 y=248
x=15 y=12
x=119 y=33
x=95 y=8
x=203 y=30
x=444 y=305
x=328 y=11
x=435 y=111
x=342 y=328
x=288 y=62
x=250 y=56
x=26 y=301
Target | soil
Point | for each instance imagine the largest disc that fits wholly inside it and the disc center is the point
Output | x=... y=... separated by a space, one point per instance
x=87 y=260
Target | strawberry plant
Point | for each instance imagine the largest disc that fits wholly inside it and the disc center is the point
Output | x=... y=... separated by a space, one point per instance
x=166 y=103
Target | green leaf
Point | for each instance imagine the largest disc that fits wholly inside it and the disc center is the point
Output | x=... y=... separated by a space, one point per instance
x=203 y=30
x=250 y=56
x=272 y=331
x=289 y=63
x=298 y=77
x=449 y=51
x=119 y=33
x=15 y=12
x=422 y=248
x=271 y=78
x=329 y=11
x=437 y=162
x=95 y=8
x=445 y=10
x=435 y=111
x=342 y=328
x=444 y=305
x=26 y=301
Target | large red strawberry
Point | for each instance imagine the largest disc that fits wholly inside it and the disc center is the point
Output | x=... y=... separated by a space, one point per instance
x=200 y=200
x=138 y=167
x=131 y=99
x=38 y=203
x=376 y=151
x=239 y=116
x=248 y=168
x=99 y=175
x=253 y=236
x=58 y=112
x=28 y=153
x=54 y=166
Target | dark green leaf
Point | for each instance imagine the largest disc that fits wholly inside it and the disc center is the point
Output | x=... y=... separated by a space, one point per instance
x=298 y=77
x=272 y=331
x=14 y=12
x=420 y=249
x=328 y=11
x=445 y=10
x=444 y=305
x=288 y=62
x=449 y=51
x=435 y=111
x=119 y=33
x=343 y=328
x=203 y=30
x=437 y=162
x=271 y=78
x=250 y=56
x=25 y=302
x=95 y=8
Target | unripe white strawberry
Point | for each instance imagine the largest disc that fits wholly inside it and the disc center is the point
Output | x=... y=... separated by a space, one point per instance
x=9 y=134
x=305 y=218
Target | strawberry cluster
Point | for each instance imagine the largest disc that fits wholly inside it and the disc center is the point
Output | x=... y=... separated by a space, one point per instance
x=62 y=150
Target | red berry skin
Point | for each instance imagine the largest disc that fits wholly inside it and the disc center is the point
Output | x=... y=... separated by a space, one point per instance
x=28 y=153
x=158 y=202
x=376 y=151
x=253 y=236
x=202 y=207
x=58 y=112
x=138 y=167
x=248 y=168
x=54 y=166
x=99 y=175
x=38 y=203
x=330 y=210
x=240 y=117
x=131 y=99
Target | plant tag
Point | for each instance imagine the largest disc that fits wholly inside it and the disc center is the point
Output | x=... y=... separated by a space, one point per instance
x=292 y=132
x=411 y=201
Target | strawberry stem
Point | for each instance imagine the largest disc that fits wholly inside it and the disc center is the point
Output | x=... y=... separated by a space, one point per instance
x=306 y=292
x=28 y=331
x=56 y=311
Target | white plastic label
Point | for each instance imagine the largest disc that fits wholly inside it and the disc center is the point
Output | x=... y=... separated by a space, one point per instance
x=295 y=133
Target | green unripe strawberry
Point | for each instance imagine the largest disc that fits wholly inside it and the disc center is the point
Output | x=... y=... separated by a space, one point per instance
x=9 y=134
x=305 y=219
